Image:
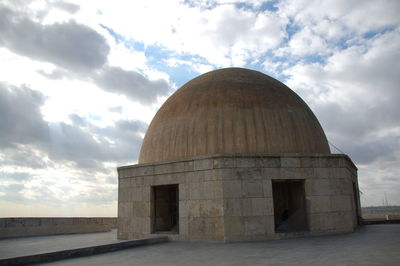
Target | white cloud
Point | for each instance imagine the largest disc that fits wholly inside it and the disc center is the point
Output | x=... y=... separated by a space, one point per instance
x=131 y=83
x=323 y=27
x=355 y=96
x=342 y=57
x=69 y=45
x=357 y=16
x=196 y=66
x=304 y=43
x=121 y=56
x=359 y=73
x=224 y=35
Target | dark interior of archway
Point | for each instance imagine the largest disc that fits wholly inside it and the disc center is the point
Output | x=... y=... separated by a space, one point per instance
x=289 y=205
x=166 y=211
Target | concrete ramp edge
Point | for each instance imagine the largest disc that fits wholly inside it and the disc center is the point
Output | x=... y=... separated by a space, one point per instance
x=80 y=252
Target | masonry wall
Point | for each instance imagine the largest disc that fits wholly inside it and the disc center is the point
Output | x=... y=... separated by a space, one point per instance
x=229 y=197
x=36 y=226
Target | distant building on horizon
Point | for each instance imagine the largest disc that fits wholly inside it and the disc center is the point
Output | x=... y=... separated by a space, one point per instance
x=236 y=155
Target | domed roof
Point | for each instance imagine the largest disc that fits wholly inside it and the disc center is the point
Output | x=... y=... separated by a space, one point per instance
x=232 y=110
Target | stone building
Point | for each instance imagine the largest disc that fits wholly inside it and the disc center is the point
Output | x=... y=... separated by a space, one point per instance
x=236 y=155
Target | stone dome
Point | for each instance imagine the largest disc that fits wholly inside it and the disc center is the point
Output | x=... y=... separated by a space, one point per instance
x=232 y=110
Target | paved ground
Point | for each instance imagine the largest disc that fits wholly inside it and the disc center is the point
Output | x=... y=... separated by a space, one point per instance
x=14 y=247
x=371 y=245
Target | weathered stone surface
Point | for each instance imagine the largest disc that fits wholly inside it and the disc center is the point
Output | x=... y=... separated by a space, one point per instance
x=270 y=173
x=139 y=181
x=210 y=175
x=234 y=227
x=206 y=228
x=124 y=182
x=17 y=227
x=318 y=204
x=327 y=222
x=136 y=194
x=321 y=187
x=295 y=173
x=255 y=225
x=290 y=162
x=146 y=194
x=142 y=171
x=247 y=174
x=194 y=191
x=245 y=162
x=193 y=208
x=178 y=167
x=341 y=203
x=261 y=206
x=224 y=162
x=184 y=227
x=164 y=168
x=203 y=164
x=195 y=176
x=232 y=207
x=290 y=173
x=314 y=222
x=206 y=190
x=211 y=208
x=322 y=173
x=231 y=197
x=308 y=162
x=267 y=188
x=183 y=192
x=270 y=162
x=232 y=188
x=238 y=111
x=141 y=209
x=144 y=181
x=251 y=189
x=122 y=173
x=228 y=174
x=346 y=187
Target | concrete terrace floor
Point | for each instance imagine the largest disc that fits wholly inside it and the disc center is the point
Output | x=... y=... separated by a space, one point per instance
x=22 y=246
x=370 y=245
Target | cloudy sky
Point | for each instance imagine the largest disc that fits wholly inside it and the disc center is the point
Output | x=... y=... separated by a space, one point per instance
x=81 y=80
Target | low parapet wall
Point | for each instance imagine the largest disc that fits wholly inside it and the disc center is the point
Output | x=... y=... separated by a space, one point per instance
x=36 y=226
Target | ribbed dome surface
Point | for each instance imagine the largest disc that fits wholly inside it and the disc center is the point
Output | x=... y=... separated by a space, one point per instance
x=232 y=110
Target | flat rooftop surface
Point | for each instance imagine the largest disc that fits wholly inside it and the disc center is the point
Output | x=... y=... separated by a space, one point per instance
x=370 y=245
x=23 y=246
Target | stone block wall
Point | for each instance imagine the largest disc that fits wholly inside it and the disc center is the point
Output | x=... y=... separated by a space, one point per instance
x=200 y=200
x=229 y=197
x=248 y=203
x=37 y=226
